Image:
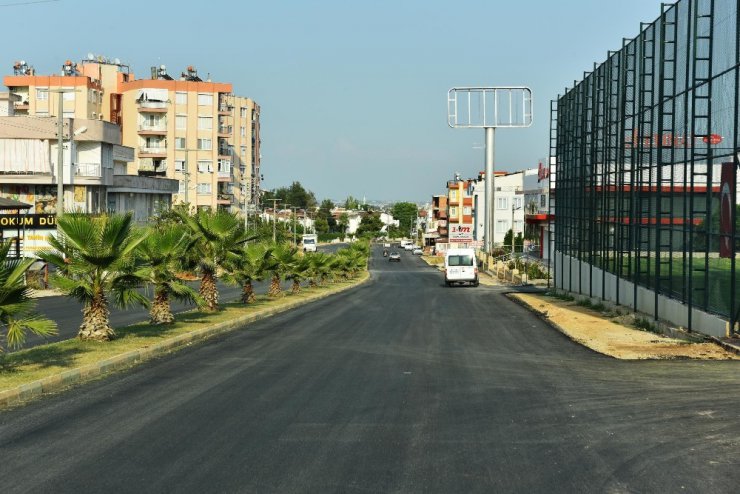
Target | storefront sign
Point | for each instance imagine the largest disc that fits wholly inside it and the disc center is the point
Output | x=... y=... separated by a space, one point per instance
x=28 y=221
x=461 y=233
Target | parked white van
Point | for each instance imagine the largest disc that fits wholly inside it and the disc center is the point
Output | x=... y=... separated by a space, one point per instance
x=461 y=267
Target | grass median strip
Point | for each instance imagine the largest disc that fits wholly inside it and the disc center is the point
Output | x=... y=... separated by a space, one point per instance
x=29 y=372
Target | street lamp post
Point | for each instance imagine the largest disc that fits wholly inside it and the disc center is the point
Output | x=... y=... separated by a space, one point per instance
x=513 y=251
x=274 y=219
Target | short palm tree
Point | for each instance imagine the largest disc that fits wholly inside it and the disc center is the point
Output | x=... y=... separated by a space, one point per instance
x=250 y=266
x=218 y=237
x=16 y=306
x=319 y=268
x=281 y=262
x=94 y=257
x=298 y=271
x=162 y=253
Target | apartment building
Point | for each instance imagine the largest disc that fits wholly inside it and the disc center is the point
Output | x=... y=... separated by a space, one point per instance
x=91 y=155
x=188 y=129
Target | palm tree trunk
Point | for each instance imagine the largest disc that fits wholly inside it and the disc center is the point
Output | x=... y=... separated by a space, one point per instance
x=312 y=283
x=248 y=293
x=95 y=321
x=296 y=288
x=209 y=291
x=275 y=290
x=161 y=312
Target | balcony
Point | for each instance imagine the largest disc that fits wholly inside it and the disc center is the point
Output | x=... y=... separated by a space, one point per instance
x=88 y=170
x=21 y=106
x=224 y=198
x=152 y=151
x=225 y=108
x=153 y=106
x=225 y=151
x=149 y=166
x=225 y=130
x=153 y=129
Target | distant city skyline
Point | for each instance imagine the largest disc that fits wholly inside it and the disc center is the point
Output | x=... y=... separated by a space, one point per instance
x=353 y=96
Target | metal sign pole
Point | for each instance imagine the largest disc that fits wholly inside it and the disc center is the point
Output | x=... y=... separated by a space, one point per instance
x=490 y=148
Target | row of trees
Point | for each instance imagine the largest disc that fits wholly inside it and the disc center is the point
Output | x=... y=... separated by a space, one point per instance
x=99 y=259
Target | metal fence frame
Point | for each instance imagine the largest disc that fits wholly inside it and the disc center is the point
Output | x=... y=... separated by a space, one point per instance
x=637 y=148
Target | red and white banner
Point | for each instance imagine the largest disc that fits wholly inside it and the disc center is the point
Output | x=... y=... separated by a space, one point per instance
x=461 y=233
x=727 y=208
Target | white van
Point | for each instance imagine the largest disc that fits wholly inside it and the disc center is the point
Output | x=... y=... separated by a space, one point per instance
x=461 y=267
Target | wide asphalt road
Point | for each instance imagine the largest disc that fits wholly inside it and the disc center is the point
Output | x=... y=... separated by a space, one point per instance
x=401 y=385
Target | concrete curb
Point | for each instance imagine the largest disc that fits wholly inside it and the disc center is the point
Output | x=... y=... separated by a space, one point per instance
x=78 y=375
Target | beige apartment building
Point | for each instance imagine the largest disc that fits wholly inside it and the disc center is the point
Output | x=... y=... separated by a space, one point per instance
x=197 y=132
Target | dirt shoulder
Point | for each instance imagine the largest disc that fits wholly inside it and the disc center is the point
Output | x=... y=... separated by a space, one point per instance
x=610 y=336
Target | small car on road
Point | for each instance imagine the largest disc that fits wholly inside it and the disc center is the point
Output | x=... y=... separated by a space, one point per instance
x=417 y=251
x=395 y=256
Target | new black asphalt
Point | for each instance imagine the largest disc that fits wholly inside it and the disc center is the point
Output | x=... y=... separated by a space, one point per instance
x=401 y=385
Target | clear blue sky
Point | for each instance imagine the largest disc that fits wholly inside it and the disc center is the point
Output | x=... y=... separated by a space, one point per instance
x=353 y=94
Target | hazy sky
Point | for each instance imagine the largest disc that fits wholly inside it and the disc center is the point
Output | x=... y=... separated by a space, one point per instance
x=353 y=94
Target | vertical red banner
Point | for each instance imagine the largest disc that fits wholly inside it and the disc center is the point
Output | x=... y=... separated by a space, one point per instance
x=727 y=198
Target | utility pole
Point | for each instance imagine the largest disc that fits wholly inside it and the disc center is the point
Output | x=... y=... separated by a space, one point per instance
x=60 y=155
x=295 y=240
x=274 y=219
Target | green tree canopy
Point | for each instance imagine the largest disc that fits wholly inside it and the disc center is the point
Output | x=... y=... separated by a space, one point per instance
x=351 y=203
x=295 y=195
x=405 y=213
x=370 y=224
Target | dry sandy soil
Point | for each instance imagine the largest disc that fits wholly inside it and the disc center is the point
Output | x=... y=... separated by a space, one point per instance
x=612 y=337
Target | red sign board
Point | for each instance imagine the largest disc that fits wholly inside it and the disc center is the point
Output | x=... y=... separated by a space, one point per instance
x=542 y=172
x=461 y=233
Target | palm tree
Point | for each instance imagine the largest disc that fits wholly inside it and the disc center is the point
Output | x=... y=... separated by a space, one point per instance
x=281 y=261
x=319 y=268
x=94 y=256
x=298 y=271
x=250 y=266
x=162 y=253
x=16 y=306
x=217 y=237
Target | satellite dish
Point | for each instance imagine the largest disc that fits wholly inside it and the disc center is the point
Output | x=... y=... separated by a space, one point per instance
x=23 y=62
x=90 y=56
x=117 y=61
x=163 y=67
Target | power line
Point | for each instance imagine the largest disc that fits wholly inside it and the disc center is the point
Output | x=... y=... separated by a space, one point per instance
x=26 y=3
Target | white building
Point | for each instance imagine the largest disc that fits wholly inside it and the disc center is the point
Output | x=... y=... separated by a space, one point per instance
x=92 y=155
x=537 y=209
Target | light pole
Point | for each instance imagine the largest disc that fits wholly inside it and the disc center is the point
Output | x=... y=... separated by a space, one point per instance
x=295 y=241
x=512 y=226
x=274 y=219
x=60 y=143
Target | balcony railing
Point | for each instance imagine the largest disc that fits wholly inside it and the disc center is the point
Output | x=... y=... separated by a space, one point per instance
x=88 y=169
x=224 y=151
x=225 y=108
x=153 y=105
x=160 y=127
x=225 y=197
x=153 y=166
x=225 y=129
x=152 y=150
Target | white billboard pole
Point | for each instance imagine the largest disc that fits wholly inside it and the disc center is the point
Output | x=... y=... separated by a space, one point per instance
x=489 y=108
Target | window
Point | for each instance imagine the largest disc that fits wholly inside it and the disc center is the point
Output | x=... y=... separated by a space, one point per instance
x=68 y=94
x=502 y=203
x=244 y=151
x=453 y=211
x=205 y=144
x=91 y=96
x=224 y=167
x=461 y=260
x=205 y=166
x=243 y=112
x=467 y=210
x=205 y=99
x=42 y=93
x=205 y=123
x=517 y=202
x=518 y=226
x=181 y=98
x=181 y=122
x=179 y=165
x=243 y=131
x=180 y=143
x=181 y=190
x=543 y=200
x=453 y=195
x=204 y=188
x=502 y=226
